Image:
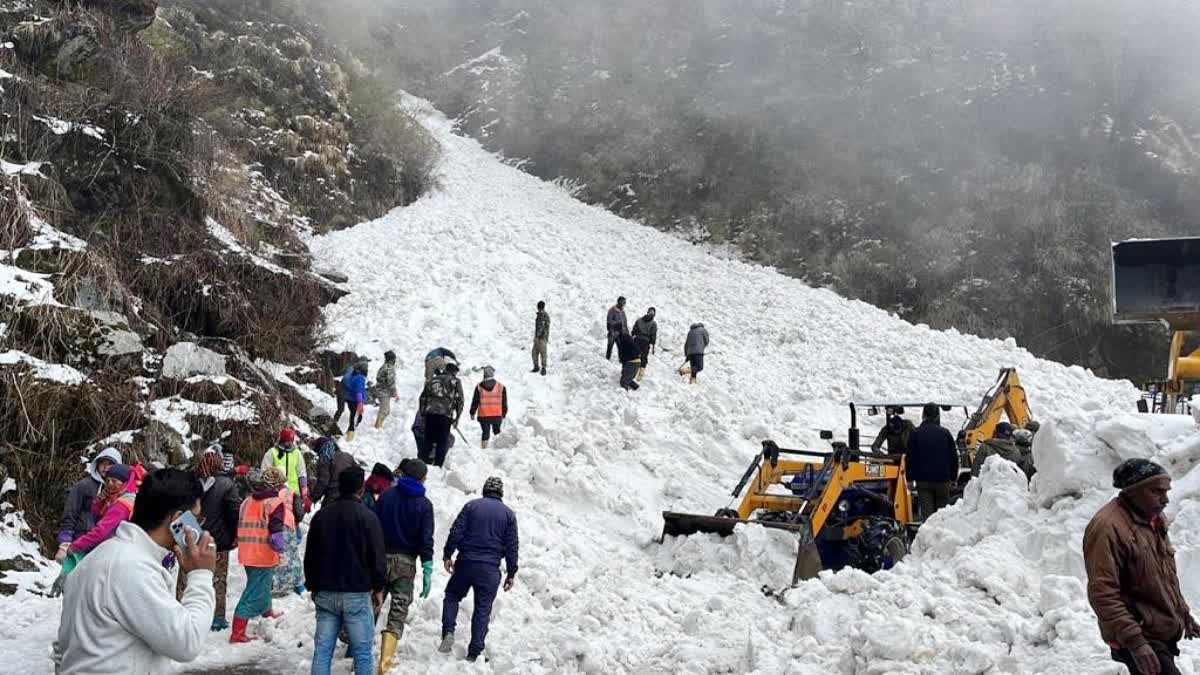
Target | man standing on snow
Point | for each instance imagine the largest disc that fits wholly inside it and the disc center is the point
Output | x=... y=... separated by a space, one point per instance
x=385 y=387
x=1004 y=444
x=645 y=333
x=345 y=568
x=484 y=532
x=77 y=516
x=437 y=359
x=490 y=401
x=406 y=515
x=541 y=337
x=290 y=461
x=693 y=348
x=352 y=394
x=932 y=461
x=442 y=405
x=631 y=360
x=617 y=325
x=331 y=462
x=1133 y=585
x=119 y=612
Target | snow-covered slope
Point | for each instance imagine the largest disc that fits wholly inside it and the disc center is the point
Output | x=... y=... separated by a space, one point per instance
x=994 y=584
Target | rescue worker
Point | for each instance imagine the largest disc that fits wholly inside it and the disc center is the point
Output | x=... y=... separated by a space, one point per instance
x=1004 y=444
x=693 y=348
x=484 y=532
x=331 y=461
x=345 y=567
x=442 y=405
x=645 y=332
x=406 y=515
x=616 y=325
x=541 y=338
x=490 y=402
x=352 y=394
x=385 y=387
x=290 y=461
x=437 y=359
x=77 y=515
x=932 y=461
x=1132 y=581
x=262 y=520
x=631 y=360
x=896 y=433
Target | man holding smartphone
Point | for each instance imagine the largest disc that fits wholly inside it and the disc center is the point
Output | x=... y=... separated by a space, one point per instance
x=119 y=613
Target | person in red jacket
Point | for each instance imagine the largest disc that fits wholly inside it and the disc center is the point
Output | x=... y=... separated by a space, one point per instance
x=112 y=508
x=490 y=402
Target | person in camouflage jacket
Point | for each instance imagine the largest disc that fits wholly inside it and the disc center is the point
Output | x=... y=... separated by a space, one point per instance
x=385 y=387
x=442 y=405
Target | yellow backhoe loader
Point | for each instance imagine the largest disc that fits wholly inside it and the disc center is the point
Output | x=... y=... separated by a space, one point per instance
x=847 y=507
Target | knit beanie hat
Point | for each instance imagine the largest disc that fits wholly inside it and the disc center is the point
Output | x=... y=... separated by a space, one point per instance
x=931 y=412
x=273 y=477
x=255 y=478
x=489 y=372
x=414 y=468
x=1129 y=474
x=209 y=464
x=121 y=472
x=493 y=487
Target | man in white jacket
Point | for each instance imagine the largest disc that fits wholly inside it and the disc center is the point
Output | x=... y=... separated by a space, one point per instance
x=119 y=612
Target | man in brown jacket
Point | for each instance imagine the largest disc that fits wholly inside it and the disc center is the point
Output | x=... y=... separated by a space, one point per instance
x=1132 y=583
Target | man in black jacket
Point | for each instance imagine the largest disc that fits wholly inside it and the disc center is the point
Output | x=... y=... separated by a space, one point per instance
x=932 y=461
x=645 y=333
x=631 y=360
x=331 y=462
x=345 y=568
x=220 y=507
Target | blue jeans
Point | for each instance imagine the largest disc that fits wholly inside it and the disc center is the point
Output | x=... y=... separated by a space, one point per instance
x=354 y=610
x=483 y=579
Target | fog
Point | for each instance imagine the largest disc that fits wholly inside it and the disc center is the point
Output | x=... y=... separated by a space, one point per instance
x=964 y=164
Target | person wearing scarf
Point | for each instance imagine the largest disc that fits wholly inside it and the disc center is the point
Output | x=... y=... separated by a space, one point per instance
x=219 y=512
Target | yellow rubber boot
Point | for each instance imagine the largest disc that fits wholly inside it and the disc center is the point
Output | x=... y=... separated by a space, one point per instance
x=378 y=422
x=387 y=650
x=483 y=444
x=640 y=374
x=349 y=435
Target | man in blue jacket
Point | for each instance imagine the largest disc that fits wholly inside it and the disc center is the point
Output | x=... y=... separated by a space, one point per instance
x=484 y=532
x=407 y=519
x=352 y=394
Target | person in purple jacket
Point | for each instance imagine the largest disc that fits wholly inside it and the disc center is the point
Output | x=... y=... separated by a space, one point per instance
x=484 y=532
x=352 y=394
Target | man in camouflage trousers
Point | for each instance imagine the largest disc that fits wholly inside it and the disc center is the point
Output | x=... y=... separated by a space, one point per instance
x=541 y=336
x=385 y=387
x=441 y=405
x=1004 y=444
x=406 y=515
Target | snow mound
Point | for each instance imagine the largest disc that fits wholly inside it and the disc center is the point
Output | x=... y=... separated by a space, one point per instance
x=994 y=584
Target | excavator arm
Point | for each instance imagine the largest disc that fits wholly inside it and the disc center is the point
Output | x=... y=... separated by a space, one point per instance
x=1005 y=398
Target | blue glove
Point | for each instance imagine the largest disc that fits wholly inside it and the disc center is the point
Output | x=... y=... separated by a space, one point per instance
x=277 y=542
x=426 y=578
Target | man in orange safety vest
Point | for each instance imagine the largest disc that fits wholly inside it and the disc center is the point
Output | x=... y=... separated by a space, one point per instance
x=490 y=403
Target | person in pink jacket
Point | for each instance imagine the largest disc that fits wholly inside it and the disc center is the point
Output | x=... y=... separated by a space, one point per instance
x=112 y=507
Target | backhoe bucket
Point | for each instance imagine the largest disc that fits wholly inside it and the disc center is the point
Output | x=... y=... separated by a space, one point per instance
x=1157 y=279
x=683 y=524
x=808 y=557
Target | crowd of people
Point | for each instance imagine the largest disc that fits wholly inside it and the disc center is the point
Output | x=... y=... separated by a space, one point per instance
x=141 y=588
x=145 y=553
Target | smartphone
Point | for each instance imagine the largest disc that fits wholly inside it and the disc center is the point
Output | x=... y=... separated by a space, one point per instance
x=181 y=525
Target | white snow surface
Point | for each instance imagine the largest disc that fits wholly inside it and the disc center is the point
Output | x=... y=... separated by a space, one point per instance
x=994 y=584
x=188 y=358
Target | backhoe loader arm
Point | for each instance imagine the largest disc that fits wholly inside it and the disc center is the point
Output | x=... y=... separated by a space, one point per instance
x=1005 y=398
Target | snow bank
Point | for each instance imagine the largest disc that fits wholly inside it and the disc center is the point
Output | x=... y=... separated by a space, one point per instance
x=184 y=359
x=994 y=583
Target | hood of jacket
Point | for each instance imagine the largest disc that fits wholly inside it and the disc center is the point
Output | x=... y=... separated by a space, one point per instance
x=488 y=384
x=410 y=487
x=107 y=453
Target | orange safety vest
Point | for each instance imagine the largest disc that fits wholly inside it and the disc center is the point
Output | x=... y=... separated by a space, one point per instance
x=254 y=543
x=491 y=403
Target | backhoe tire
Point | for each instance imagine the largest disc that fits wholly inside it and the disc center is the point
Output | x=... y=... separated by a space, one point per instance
x=882 y=544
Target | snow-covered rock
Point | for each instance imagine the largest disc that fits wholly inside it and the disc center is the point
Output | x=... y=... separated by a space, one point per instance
x=185 y=359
